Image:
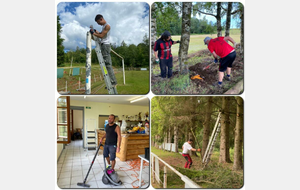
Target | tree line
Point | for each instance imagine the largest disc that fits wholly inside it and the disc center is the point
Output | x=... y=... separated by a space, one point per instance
x=177 y=119
x=134 y=55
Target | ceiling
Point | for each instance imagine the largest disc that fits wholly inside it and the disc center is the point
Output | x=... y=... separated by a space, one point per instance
x=113 y=99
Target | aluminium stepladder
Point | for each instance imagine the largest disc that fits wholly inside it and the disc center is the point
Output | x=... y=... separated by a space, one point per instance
x=212 y=142
x=111 y=89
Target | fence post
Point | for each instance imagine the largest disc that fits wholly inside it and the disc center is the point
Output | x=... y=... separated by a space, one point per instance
x=152 y=167
x=165 y=176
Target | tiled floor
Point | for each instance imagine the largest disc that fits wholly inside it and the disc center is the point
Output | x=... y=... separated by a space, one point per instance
x=74 y=163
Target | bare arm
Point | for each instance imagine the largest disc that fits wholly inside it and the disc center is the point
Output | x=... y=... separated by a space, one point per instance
x=103 y=33
x=230 y=39
x=118 y=131
x=156 y=54
x=104 y=136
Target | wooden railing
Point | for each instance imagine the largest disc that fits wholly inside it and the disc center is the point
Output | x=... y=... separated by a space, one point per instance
x=188 y=183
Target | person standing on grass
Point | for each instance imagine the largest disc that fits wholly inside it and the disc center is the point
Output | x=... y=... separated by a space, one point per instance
x=226 y=54
x=112 y=142
x=105 y=46
x=185 y=153
x=163 y=55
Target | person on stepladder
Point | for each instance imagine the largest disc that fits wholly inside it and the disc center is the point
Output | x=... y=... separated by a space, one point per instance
x=185 y=148
x=105 y=46
x=112 y=143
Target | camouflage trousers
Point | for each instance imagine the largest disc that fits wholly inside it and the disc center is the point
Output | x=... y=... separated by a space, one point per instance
x=105 y=50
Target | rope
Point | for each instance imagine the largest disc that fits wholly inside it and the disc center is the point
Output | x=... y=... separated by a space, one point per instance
x=135 y=166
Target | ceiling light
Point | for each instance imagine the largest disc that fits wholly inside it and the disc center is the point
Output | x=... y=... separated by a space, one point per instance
x=138 y=99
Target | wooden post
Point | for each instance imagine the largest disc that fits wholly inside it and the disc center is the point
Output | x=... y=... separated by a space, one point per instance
x=165 y=177
x=152 y=169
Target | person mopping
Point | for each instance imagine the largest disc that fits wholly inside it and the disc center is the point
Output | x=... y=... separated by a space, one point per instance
x=185 y=153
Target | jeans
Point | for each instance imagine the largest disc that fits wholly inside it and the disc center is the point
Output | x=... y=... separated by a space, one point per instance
x=105 y=50
x=164 y=64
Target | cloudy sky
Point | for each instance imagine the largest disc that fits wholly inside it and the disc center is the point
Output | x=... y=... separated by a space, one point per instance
x=128 y=21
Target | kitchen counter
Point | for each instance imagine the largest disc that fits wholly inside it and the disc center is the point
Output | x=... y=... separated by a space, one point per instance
x=132 y=145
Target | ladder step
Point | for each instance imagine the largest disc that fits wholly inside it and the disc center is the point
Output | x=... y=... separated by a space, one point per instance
x=91 y=137
x=91 y=131
x=91 y=148
x=91 y=142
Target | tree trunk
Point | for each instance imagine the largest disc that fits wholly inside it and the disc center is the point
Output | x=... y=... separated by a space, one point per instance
x=224 y=149
x=176 y=138
x=218 y=17
x=185 y=34
x=242 y=32
x=228 y=19
x=238 y=137
x=153 y=33
x=206 y=125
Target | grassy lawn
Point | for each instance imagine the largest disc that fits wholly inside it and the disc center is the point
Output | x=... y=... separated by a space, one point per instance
x=215 y=175
x=136 y=82
x=197 y=43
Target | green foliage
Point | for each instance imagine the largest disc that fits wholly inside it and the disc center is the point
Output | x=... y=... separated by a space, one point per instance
x=134 y=55
x=60 y=47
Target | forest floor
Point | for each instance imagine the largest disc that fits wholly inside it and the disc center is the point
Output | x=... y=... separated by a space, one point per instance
x=183 y=84
x=215 y=175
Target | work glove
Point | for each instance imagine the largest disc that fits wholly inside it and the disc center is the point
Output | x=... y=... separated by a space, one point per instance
x=157 y=61
x=178 y=41
x=92 y=31
x=234 y=45
x=216 y=60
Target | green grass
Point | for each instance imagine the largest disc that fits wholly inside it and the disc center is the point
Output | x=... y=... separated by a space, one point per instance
x=197 y=43
x=136 y=82
x=215 y=175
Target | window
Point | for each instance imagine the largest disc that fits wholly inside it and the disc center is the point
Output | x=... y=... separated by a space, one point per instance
x=63 y=120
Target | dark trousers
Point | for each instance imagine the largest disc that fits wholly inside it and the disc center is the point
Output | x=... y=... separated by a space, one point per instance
x=189 y=161
x=164 y=65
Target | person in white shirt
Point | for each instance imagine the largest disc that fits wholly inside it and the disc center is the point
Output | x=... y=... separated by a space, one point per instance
x=185 y=153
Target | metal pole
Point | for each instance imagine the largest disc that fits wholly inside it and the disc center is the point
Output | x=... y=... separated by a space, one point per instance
x=88 y=63
x=123 y=71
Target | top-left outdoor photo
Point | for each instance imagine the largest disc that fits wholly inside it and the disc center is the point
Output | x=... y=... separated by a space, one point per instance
x=103 y=48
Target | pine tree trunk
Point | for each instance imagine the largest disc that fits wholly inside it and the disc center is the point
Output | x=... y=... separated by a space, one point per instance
x=239 y=133
x=206 y=125
x=228 y=19
x=218 y=17
x=242 y=32
x=185 y=34
x=224 y=149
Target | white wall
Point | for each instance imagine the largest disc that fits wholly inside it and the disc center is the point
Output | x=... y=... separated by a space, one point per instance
x=91 y=115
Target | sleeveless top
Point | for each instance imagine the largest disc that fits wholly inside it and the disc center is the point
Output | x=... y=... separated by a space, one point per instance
x=105 y=39
x=111 y=135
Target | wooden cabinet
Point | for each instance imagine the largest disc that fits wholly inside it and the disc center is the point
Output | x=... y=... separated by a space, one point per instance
x=132 y=145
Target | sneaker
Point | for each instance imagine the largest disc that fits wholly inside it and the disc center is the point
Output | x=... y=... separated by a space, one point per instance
x=108 y=167
x=227 y=78
x=216 y=84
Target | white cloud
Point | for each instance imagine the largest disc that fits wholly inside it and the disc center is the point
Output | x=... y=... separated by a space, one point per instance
x=128 y=21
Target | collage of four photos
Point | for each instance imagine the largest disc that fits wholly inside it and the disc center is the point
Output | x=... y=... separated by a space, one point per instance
x=150 y=95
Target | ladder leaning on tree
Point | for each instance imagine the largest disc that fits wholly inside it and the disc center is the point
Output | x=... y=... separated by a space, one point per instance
x=212 y=142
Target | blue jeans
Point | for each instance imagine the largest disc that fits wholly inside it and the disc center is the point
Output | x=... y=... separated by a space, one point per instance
x=164 y=64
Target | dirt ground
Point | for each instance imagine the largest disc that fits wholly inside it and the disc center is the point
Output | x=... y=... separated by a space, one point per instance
x=210 y=75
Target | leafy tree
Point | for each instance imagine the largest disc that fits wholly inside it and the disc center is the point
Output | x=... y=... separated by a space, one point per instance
x=60 y=47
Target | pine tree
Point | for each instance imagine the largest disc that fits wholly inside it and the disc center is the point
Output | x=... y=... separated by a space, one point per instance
x=60 y=47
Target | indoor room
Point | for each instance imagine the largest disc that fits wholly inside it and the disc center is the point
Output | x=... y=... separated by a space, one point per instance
x=83 y=125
